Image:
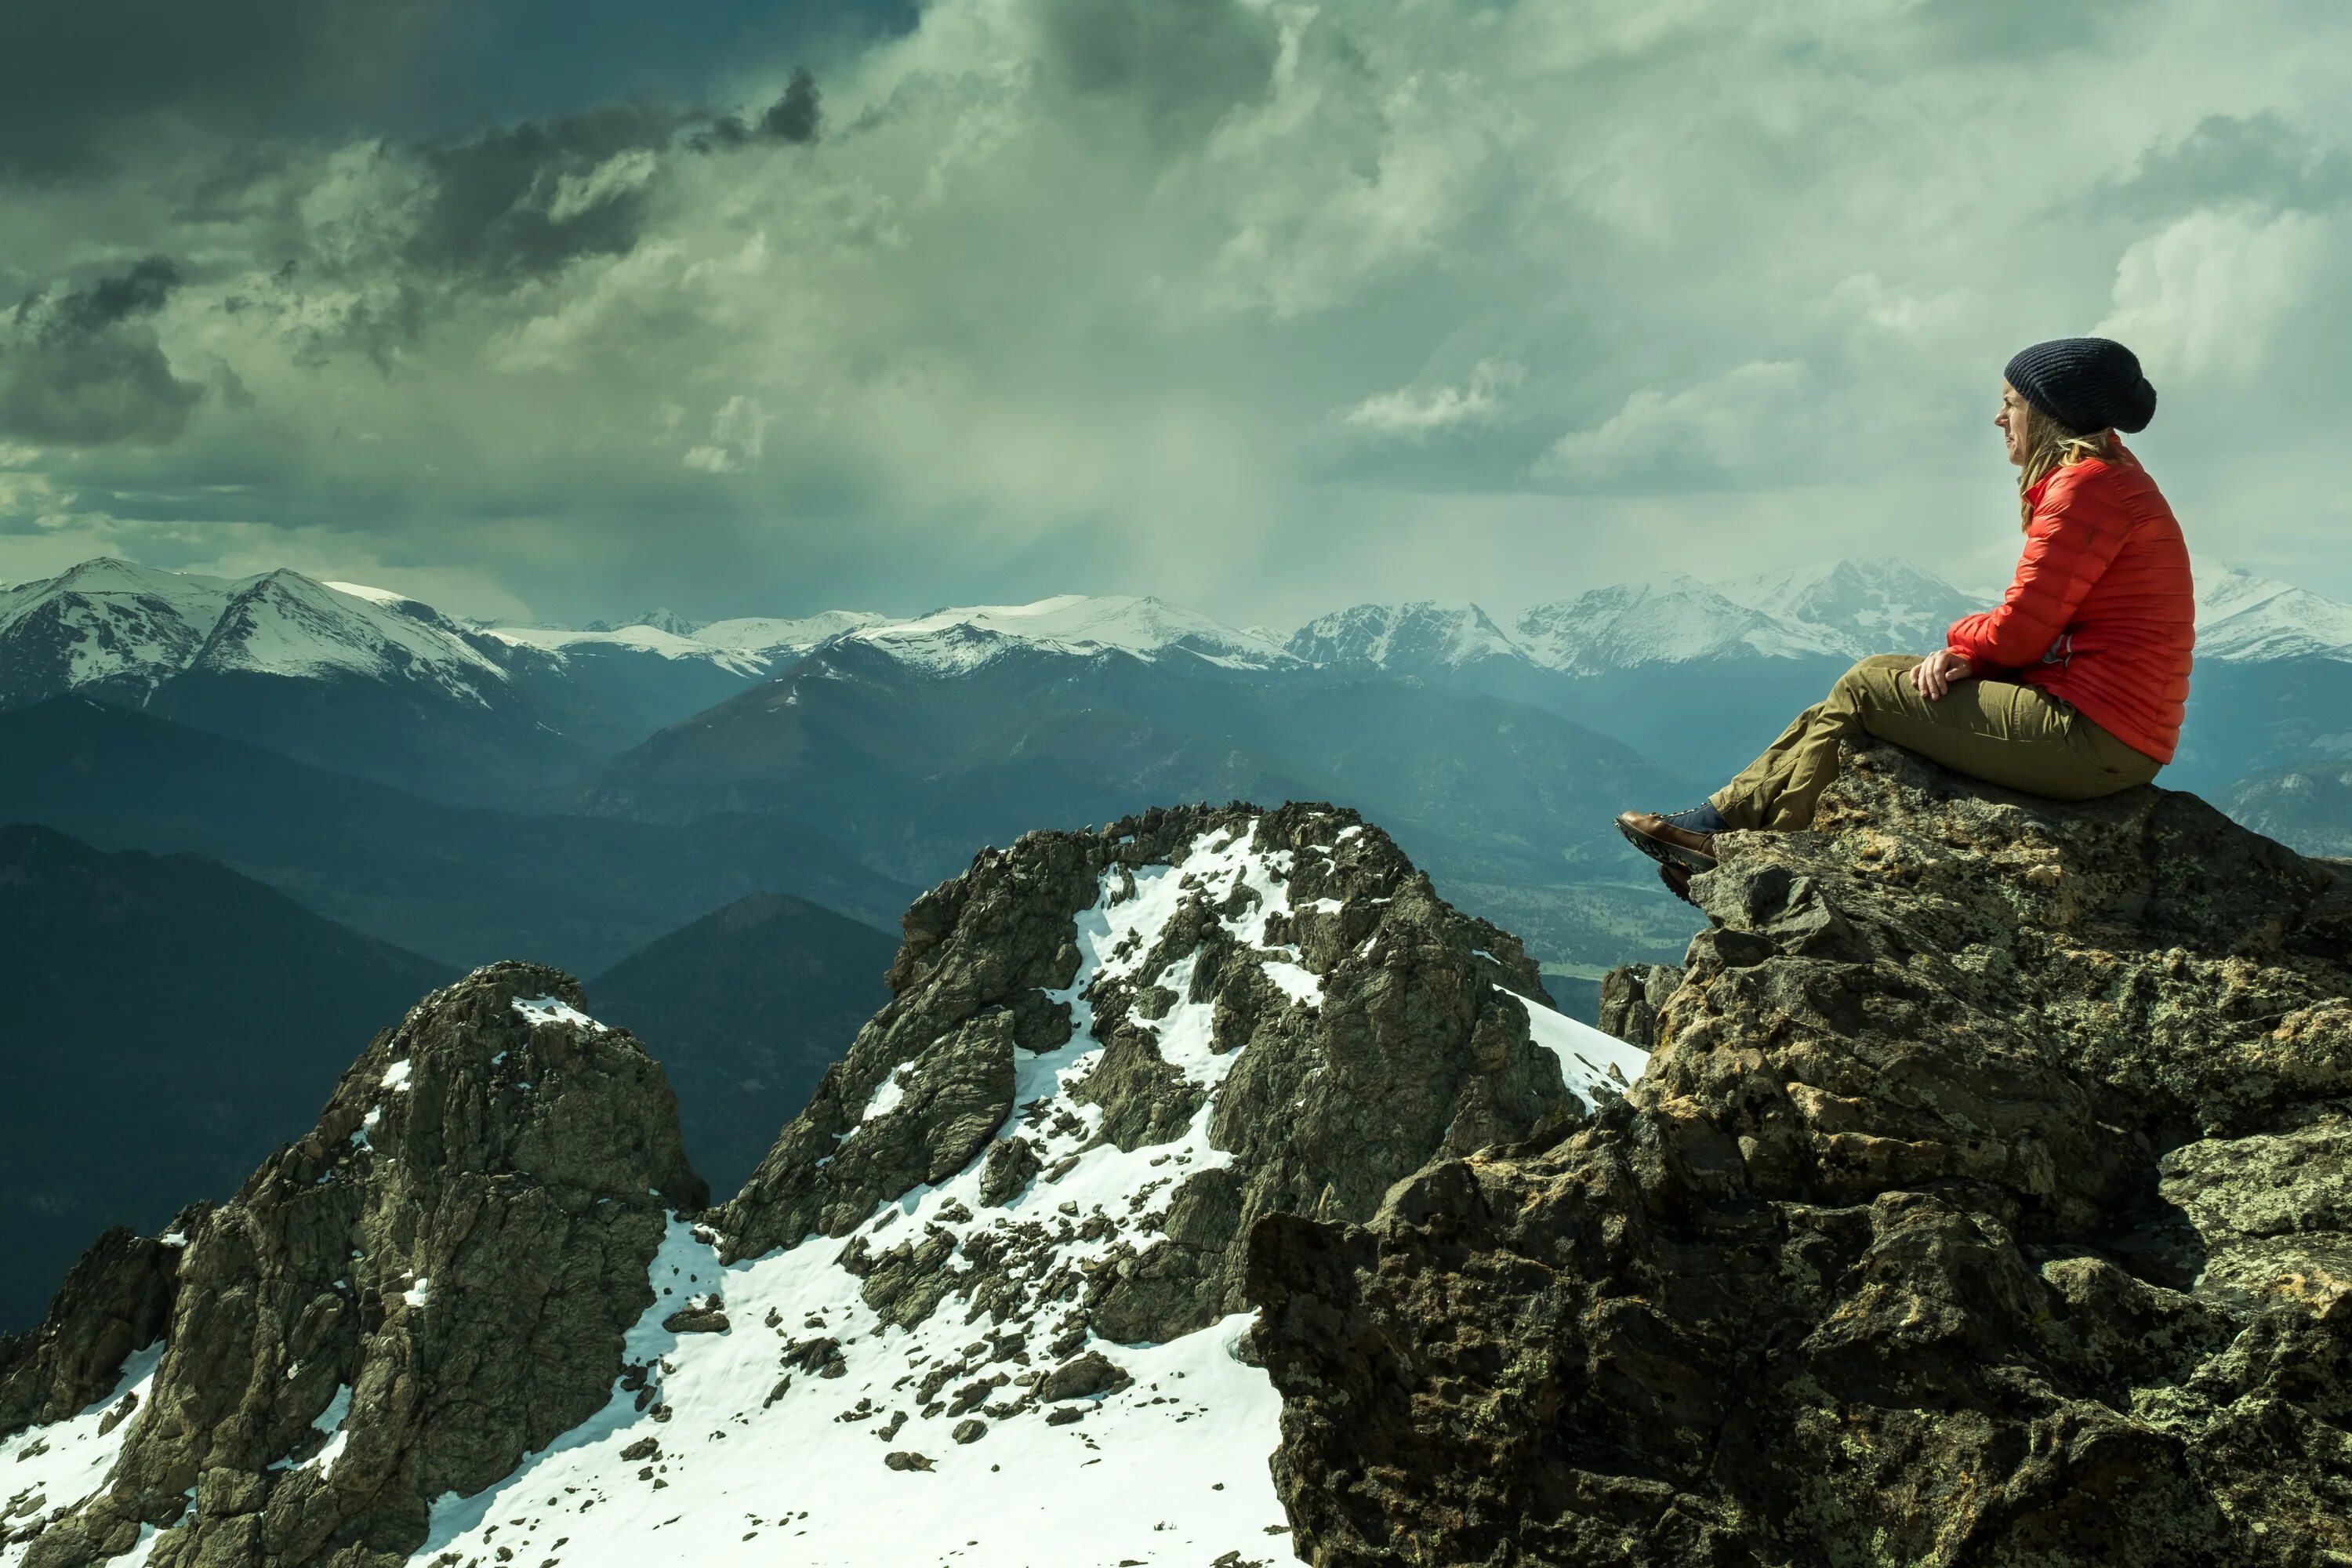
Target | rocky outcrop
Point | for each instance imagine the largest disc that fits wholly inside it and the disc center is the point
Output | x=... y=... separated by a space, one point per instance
x=434 y=1281
x=1005 y=1239
x=1986 y=1201
x=1286 y=974
x=117 y=1300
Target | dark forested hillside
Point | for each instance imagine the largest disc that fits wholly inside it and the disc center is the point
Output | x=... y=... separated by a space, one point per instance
x=745 y=1008
x=466 y=886
x=164 y=1024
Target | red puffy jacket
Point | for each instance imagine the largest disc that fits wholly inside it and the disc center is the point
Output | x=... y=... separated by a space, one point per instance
x=2102 y=612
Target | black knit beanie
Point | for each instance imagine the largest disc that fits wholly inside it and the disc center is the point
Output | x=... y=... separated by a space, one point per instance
x=2084 y=383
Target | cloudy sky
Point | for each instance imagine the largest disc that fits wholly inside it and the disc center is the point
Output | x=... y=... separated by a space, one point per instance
x=556 y=309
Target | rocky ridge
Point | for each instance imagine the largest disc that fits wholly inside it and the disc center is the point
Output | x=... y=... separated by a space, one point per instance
x=432 y=1283
x=1985 y=1201
x=988 y=1283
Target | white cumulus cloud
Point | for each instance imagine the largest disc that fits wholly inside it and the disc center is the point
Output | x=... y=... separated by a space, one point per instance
x=1414 y=413
x=2207 y=295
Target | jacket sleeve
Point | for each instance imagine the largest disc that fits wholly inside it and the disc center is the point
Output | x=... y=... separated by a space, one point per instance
x=2068 y=544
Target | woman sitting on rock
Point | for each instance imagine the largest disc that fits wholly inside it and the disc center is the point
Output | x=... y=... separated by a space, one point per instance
x=2071 y=688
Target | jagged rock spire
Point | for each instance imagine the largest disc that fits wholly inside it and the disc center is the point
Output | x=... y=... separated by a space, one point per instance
x=1286 y=979
x=433 y=1282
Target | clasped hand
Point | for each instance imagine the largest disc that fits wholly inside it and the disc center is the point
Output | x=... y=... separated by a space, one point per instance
x=1935 y=674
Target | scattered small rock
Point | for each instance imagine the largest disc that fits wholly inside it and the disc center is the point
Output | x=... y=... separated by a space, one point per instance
x=905 y=1459
x=1083 y=1378
x=696 y=1319
x=970 y=1431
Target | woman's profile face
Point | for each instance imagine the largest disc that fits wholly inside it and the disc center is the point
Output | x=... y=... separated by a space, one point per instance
x=2011 y=419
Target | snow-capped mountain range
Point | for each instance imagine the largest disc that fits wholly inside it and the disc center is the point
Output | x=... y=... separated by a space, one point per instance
x=370 y=681
x=128 y=629
x=110 y=624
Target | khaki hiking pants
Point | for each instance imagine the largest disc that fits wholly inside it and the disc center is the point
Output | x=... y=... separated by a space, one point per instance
x=2011 y=735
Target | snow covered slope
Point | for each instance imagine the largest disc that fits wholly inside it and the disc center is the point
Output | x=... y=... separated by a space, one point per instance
x=285 y=624
x=750 y=646
x=776 y=640
x=2249 y=619
x=954 y=640
x=1838 y=610
x=110 y=624
x=982 y=1304
x=1662 y=620
x=104 y=622
x=1416 y=638
x=1879 y=604
x=561 y=642
x=49 y=1468
x=936 y=1390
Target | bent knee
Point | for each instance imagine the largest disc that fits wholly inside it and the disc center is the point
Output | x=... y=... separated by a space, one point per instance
x=1875 y=670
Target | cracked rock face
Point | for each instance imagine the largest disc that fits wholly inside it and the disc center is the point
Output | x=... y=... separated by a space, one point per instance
x=117 y=1300
x=434 y=1281
x=1276 y=1000
x=1988 y=1200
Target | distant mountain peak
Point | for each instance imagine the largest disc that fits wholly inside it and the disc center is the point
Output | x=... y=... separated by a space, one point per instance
x=372 y=596
x=1879 y=604
x=285 y=624
x=660 y=619
x=1669 y=620
x=1139 y=625
x=2244 y=616
x=1418 y=636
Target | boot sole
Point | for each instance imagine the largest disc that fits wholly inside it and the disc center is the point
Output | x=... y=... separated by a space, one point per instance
x=1667 y=854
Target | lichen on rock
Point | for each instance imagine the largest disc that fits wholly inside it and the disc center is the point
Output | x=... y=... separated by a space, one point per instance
x=1986 y=1201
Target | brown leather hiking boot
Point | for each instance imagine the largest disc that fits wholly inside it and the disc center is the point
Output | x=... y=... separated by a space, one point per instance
x=1677 y=881
x=1667 y=842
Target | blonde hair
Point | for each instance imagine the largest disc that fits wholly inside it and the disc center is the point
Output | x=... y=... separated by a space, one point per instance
x=2050 y=444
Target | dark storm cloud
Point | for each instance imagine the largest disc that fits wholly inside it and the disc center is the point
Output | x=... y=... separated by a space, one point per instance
x=524 y=203
x=84 y=82
x=2226 y=158
x=1182 y=63
x=499 y=210
x=793 y=117
x=76 y=79
x=84 y=369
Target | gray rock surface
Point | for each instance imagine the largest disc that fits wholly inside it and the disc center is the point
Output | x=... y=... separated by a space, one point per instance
x=117 y=1300
x=455 y=1252
x=1986 y=1202
x=1418 y=1044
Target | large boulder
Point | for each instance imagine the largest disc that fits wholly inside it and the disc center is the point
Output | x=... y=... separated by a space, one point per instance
x=1988 y=1200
